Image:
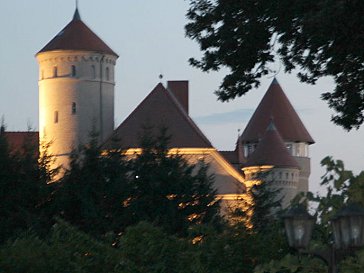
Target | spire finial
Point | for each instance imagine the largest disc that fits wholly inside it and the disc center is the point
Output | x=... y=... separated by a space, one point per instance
x=76 y=16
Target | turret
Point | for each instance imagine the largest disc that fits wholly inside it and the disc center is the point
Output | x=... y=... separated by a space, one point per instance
x=272 y=162
x=276 y=105
x=76 y=89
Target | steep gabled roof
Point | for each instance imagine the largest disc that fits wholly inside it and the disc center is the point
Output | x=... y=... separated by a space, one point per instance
x=77 y=36
x=159 y=109
x=276 y=104
x=271 y=150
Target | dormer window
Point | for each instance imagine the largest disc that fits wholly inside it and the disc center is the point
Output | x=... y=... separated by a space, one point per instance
x=55 y=72
x=73 y=68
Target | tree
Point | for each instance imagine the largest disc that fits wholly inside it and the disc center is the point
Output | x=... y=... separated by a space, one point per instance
x=168 y=191
x=63 y=249
x=342 y=187
x=148 y=249
x=90 y=194
x=23 y=188
x=105 y=192
x=316 y=37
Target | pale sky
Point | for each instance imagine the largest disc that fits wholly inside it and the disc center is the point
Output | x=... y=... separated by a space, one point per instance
x=149 y=38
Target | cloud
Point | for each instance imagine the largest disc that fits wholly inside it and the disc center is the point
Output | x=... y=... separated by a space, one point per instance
x=235 y=116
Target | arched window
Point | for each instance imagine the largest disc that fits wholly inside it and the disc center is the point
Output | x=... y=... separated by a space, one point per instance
x=93 y=71
x=73 y=67
x=107 y=74
x=74 y=110
x=55 y=72
x=55 y=116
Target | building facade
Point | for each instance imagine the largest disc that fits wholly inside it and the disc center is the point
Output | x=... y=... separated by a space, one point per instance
x=76 y=99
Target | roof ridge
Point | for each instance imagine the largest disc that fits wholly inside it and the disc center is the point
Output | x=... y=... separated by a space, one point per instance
x=128 y=122
x=187 y=117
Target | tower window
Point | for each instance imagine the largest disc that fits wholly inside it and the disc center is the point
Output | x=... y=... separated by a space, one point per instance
x=55 y=72
x=42 y=74
x=73 y=67
x=55 y=116
x=107 y=74
x=93 y=71
x=74 y=110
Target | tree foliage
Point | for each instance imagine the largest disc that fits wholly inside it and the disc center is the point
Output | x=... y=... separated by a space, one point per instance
x=315 y=38
x=169 y=191
x=22 y=188
x=64 y=249
x=343 y=187
x=90 y=193
x=105 y=192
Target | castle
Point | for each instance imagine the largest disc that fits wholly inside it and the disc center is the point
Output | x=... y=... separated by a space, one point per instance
x=76 y=96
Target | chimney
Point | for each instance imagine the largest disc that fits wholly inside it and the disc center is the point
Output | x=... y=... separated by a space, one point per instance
x=180 y=90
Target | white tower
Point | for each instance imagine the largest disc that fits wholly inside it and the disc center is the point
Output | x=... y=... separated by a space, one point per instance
x=282 y=170
x=76 y=89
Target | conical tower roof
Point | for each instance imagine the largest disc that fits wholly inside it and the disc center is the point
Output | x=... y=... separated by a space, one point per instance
x=77 y=36
x=276 y=104
x=271 y=150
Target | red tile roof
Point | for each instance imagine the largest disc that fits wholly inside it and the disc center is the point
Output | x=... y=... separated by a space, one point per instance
x=271 y=151
x=17 y=140
x=160 y=109
x=276 y=105
x=77 y=36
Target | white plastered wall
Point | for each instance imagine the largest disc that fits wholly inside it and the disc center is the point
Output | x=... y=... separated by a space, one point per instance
x=89 y=90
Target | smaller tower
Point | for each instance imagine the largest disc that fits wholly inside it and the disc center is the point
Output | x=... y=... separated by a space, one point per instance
x=272 y=157
x=76 y=89
x=296 y=138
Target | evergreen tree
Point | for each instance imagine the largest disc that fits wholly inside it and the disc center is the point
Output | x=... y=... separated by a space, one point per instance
x=22 y=190
x=90 y=193
x=168 y=191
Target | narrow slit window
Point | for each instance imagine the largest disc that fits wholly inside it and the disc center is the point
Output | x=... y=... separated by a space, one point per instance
x=55 y=116
x=73 y=68
x=93 y=71
x=42 y=75
x=74 y=109
x=55 y=72
x=107 y=74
